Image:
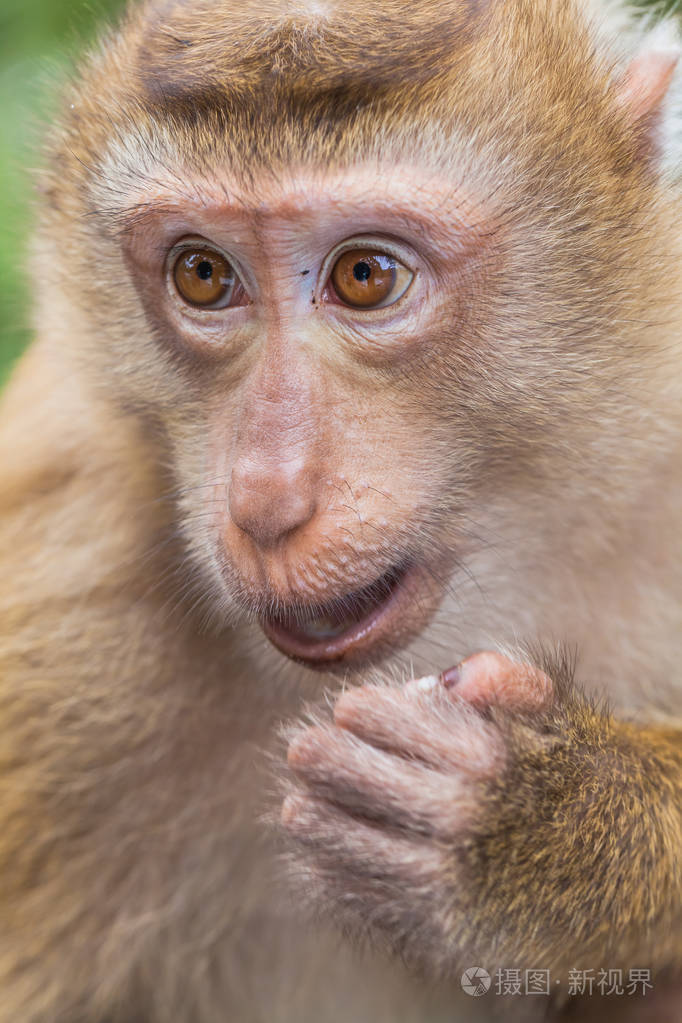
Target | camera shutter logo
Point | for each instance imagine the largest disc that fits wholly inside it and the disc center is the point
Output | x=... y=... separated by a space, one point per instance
x=475 y=981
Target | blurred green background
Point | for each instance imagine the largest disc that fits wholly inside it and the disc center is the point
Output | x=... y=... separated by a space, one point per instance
x=38 y=41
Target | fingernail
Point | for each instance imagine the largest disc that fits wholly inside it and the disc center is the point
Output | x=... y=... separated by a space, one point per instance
x=451 y=677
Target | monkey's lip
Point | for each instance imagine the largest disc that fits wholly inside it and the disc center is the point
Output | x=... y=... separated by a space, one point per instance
x=348 y=626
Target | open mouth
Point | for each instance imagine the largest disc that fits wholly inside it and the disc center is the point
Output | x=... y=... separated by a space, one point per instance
x=345 y=628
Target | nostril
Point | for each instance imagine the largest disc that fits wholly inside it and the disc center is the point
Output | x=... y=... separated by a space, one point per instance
x=269 y=505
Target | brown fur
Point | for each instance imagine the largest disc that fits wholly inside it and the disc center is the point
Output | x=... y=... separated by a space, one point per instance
x=530 y=443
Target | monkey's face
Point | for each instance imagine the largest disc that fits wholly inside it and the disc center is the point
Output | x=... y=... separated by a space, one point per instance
x=364 y=313
x=317 y=316
x=357 y=365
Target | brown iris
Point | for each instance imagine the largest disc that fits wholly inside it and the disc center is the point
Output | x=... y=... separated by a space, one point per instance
x=205 y=278
x=365 y=279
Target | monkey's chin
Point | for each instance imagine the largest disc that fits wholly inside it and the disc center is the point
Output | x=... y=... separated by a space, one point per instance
x=355 y=628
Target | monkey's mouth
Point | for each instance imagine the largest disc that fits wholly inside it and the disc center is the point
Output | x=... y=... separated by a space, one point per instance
x=344 y=629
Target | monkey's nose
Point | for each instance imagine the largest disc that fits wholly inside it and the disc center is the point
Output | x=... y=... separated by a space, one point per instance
x=271 y=504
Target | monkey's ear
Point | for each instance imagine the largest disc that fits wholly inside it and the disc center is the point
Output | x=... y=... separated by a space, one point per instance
x=646 y=83
x=642 y=90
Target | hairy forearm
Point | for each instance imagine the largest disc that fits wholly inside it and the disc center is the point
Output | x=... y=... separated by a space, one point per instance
x=586 y=843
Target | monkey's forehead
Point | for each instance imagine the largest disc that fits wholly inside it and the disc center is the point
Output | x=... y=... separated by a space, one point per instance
x=318 y=44
x=269 y=84
x=322 y=63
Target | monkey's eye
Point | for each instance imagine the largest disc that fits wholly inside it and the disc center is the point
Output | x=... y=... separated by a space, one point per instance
x=204 y=278
x=366 y=279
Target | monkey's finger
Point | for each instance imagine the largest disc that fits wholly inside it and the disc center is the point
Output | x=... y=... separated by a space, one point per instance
x=370 y=901
x=336 y=838
x=338 y=766
x=432 y=727
x=492 y=679
x=489 y=678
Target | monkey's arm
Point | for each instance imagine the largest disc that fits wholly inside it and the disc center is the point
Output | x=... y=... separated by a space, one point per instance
x=507 y=821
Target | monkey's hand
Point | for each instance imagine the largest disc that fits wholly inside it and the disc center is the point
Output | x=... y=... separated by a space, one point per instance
x=494 y=817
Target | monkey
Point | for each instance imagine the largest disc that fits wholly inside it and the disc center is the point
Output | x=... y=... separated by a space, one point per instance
x=351 y=433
